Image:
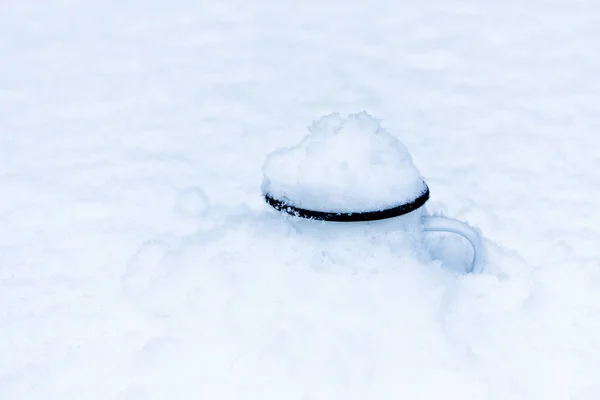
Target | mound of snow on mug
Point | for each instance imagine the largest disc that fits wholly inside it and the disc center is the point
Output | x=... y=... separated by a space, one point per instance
x=344 y=165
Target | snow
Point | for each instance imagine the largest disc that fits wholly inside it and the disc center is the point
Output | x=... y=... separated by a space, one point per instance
x=138 y=259
x=192 y=202
x=345 y=165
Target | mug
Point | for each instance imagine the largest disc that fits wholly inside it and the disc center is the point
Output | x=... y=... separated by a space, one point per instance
x=410 y=219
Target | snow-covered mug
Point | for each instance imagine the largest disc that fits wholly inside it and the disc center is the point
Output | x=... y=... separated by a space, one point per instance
x=353 y=173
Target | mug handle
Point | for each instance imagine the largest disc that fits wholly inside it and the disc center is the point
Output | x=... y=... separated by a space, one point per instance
x=444 y=224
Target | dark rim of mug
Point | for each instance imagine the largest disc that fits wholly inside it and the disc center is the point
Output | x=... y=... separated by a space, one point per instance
x=362 y=216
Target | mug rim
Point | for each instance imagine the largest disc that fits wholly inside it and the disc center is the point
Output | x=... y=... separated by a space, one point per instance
x=360 y=216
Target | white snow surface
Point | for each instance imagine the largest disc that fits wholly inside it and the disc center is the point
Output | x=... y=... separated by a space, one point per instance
x=345 y=165
x=138 y=259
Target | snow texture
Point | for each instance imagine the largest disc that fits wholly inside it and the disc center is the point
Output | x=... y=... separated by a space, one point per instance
x=346 y=165
x=138 y=259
